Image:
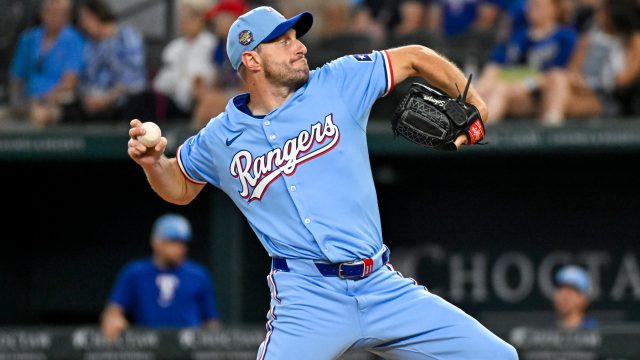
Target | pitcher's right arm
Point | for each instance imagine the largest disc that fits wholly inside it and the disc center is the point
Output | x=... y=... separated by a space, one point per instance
x=164 y=174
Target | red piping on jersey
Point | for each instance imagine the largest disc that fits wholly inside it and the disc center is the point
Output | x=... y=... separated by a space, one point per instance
x=393 y=83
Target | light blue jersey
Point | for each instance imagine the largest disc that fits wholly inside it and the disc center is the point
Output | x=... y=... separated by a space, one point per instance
x=302 y=178
x=301 y=175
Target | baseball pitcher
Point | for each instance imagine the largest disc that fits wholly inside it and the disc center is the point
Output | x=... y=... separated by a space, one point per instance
x=292 y=155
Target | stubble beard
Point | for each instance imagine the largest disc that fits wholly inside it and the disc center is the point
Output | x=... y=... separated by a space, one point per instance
x=286 y=75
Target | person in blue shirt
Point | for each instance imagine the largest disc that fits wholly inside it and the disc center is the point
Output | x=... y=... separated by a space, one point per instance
x=291 y=154
x=455 y=17
x=511 y=20
x=525 y=76
x=166 y=290
x=113 y=77
x=46 y=64
x=571 y=298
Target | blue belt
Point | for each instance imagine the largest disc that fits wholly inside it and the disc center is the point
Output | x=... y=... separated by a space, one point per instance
x=358 y=269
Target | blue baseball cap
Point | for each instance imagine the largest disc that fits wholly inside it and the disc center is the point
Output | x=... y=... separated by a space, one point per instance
x=172 y=227
x=262 y=24
x=575 y=277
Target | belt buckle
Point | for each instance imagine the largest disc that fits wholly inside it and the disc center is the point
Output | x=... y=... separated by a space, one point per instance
x=341 y=276
x=367 y=269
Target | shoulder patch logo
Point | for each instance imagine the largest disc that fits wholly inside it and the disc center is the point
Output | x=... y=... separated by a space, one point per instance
x=245 y=37
x=362 y=57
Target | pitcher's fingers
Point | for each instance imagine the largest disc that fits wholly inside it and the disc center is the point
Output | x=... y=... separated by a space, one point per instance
x=162 y=144
x=133 y=152
x=135 y=123
x=133 y=143
x=134 y=132
x=461 y=140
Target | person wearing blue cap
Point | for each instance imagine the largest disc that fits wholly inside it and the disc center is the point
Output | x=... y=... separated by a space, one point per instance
x=166 y=290
x=292 y=155
x=572 y=298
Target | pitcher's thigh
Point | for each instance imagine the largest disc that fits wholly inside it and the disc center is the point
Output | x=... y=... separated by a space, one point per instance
x=421 y=325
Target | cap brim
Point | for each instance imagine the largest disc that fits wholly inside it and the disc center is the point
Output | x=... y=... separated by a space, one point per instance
x=301 y=23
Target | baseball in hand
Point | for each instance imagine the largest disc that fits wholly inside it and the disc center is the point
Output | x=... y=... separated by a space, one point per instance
x=152 y=134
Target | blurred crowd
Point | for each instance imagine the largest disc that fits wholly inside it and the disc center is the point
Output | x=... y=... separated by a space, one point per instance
x=546 y=59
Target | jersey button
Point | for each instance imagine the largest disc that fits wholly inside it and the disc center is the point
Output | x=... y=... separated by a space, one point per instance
x=272 y=136
x=307 y=221
x=293 y=188
x=267 y=123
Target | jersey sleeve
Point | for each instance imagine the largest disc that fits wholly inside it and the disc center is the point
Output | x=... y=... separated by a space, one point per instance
x=361 y=80
x=123 y=290
x=208 y=306
x=195 y=158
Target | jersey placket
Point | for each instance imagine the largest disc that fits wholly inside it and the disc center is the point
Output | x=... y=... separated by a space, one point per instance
x=271 y=133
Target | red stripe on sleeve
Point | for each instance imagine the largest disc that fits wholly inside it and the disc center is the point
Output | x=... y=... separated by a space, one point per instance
x=391 y=79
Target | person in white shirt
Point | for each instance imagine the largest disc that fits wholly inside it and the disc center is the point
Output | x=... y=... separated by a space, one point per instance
x=186 y=61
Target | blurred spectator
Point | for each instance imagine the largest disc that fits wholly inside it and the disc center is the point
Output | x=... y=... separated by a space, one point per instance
x=607 y=60
x=412 y=17
x=377 y=18
x=525 y=76
x=512 y=20
x=337 y=38
x=454 y=17
x=186 y=62
x=114 y=70
x=384 y=12
x=577 y=14
x=336 y=17
x=571 y=299
x=580 y=14
x=164 y=291
x=221 y=16
x=45 y=67
x=340 y=27
x=226 y=82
